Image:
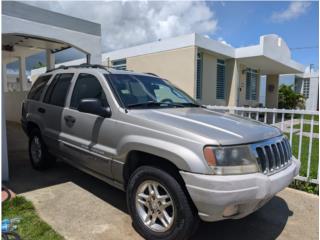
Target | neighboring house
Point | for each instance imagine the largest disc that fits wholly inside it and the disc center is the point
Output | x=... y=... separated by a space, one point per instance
x=208 y=70
x=307 y=84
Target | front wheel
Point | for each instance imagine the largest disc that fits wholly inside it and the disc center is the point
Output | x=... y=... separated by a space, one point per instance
x=158 y=205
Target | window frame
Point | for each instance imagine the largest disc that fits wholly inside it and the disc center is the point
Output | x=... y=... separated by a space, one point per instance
x=221 y=63
x=119 y=64
x=75 y=84
x=44 y=89
x=249 y=94
x=199 y=75
x=306 y=88
x=51 y=89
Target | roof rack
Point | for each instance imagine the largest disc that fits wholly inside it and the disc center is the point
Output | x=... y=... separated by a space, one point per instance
x=153 y=74
x=84 y=65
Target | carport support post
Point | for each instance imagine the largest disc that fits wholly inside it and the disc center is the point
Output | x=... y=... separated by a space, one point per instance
x=22 y=73
x=4 y=78
x=51 y=61
x=272 y=88
x=4 y=149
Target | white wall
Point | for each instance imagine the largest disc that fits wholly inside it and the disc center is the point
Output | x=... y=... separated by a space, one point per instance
x=13 y=102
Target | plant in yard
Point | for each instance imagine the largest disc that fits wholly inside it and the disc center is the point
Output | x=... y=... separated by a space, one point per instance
x=31 y=226
x=289 y=99
x=305 y=186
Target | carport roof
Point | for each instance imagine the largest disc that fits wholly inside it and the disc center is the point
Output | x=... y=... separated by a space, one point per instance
x=35 y=14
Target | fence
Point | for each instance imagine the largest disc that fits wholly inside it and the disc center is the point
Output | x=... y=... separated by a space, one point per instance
x=301 y=127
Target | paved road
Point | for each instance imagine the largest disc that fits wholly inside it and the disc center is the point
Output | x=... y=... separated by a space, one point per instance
x=82 y=207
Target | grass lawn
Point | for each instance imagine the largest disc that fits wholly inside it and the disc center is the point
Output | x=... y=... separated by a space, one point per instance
x=307 y=117
x=304 y=154
x=307 y=127
x=31 y=227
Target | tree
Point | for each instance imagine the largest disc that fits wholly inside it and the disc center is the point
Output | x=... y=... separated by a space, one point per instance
x=289 y=99
x=38 y=65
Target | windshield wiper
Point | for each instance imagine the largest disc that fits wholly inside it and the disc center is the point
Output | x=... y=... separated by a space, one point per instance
x=191 y=105
x=153 y=104
x=146 y=104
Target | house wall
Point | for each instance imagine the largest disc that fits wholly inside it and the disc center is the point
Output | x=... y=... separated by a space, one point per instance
x=178 y=66
x=312 y=101
x=13 y=102
x=232 y=82
x=209 y=76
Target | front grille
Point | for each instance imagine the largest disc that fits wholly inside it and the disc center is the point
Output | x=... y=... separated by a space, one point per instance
x=273 y=155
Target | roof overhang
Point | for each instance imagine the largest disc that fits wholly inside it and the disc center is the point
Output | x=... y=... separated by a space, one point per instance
x=271 y=56
x=37 y=29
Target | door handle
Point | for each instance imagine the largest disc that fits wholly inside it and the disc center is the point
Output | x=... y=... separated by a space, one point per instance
x=70 y=119
x=41 y=110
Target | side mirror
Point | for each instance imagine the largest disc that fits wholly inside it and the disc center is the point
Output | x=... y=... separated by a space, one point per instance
x=94 y=106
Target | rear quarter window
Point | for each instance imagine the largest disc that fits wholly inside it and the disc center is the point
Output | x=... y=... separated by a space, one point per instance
x=38 y=87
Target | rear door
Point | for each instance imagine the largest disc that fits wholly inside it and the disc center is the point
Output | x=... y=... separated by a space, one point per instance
x=85 y=137
x=52 y=107
x=31 y=105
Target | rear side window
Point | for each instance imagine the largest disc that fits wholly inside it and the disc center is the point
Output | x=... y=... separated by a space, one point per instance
x=37 y=87
x=58 y=90
x=87 y=86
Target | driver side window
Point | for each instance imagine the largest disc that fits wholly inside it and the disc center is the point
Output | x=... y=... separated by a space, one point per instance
x=87 y=86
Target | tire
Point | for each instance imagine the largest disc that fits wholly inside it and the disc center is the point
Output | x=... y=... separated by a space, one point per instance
x=184 y=219
x=39 y=156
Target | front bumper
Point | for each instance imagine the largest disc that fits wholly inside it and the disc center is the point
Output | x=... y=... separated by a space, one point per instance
x=212 y=194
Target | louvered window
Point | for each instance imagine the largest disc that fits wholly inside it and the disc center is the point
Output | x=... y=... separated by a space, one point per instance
x=306 y=87
x=199 y=76
x=120 y=64
x=251 y=84
x=220 y=89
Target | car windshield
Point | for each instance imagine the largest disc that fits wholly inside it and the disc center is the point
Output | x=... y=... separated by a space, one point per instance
x=140 y=91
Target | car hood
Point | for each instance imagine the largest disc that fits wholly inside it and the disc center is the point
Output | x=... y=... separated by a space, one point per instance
x=224 y=128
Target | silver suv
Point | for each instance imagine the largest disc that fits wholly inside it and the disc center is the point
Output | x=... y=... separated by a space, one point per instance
x=177 y=161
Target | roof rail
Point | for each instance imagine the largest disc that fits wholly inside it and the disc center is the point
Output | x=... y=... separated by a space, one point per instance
x=83 y=65
x=153 y=74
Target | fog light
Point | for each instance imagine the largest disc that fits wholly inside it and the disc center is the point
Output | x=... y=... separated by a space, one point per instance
x=231 y=210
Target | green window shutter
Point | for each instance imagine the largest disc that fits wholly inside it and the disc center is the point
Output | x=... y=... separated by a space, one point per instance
x=199 y=76
x=120 y=64
x=251 y=84
x=220 y=83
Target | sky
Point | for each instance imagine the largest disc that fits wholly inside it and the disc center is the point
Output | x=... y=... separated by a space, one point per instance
x=239 y=24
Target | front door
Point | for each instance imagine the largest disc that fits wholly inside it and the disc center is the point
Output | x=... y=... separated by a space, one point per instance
x=84 y=137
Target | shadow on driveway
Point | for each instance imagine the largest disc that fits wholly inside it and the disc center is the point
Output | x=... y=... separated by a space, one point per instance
x=267 y=223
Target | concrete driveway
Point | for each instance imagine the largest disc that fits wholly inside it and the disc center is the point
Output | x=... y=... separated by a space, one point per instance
x=79 y=206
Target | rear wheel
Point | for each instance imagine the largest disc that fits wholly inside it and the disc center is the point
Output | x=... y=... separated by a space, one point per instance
x=38 y=153
x=158 y=205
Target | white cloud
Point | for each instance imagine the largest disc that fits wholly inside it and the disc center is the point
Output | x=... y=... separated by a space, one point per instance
x=130 y=23
x=220 y=39
x=294 y=10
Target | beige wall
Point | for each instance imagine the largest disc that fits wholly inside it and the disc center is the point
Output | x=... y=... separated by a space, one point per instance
x=178 y=66
x=209 y=80
x=232 y=82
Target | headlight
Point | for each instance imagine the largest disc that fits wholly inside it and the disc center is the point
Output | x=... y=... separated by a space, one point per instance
x=230 y=160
